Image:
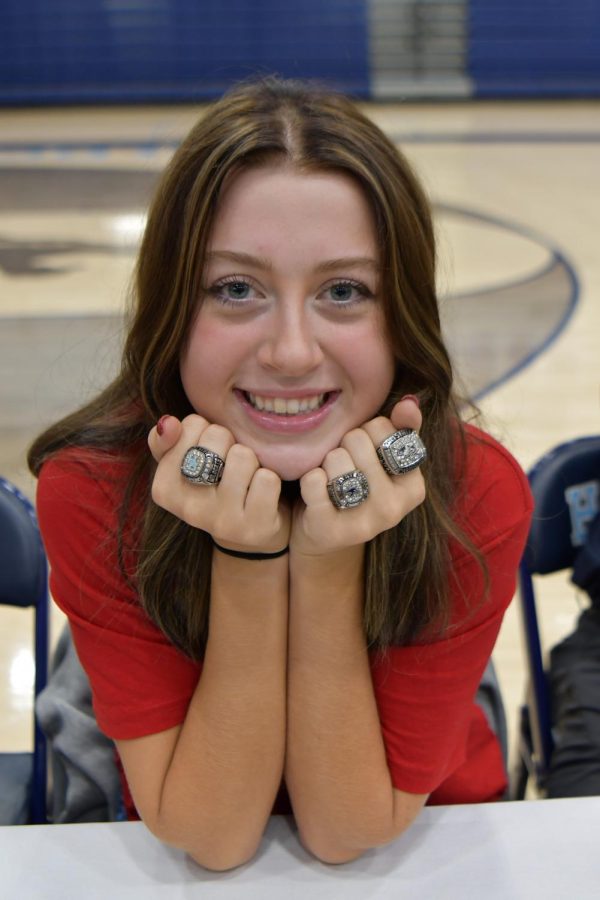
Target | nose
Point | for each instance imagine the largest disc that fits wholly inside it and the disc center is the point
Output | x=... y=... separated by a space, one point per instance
x=291 y=345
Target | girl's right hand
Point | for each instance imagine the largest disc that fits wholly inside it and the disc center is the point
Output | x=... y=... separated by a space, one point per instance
x=243 y=512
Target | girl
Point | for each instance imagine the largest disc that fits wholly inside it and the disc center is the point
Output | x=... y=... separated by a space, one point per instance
x=289 y=600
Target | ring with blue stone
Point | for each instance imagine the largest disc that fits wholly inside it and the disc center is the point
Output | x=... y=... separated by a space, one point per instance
x=348 y=490
x=202 y=466
x=402 y=452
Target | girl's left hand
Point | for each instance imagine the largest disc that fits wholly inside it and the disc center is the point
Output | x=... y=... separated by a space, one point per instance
x=319 y=528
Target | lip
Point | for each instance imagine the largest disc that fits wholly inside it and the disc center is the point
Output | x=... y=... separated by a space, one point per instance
x=279 y=424
x=288 y=395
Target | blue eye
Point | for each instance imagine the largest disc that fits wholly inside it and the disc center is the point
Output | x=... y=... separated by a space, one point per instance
x=348 y=293
x=342 y=291
x=237 y=290
x=232 y=291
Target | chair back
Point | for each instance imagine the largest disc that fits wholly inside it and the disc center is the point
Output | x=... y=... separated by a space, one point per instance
x=24 y=583
x=566 y=489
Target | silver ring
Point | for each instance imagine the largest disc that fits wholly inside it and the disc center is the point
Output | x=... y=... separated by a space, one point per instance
x=348 y=490
x=402 y=452
x=202 y=466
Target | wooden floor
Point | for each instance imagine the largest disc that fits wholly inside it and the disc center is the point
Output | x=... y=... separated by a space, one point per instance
x=516 y=189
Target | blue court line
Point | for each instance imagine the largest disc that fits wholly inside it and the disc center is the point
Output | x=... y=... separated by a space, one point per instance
x=557 y=257
x=505 y=137
x=415 y=137
x=550 y=339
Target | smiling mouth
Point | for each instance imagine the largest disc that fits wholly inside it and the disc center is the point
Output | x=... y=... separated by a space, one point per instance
x=287 y=406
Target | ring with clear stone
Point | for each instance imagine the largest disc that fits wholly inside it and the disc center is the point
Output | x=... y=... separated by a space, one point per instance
x=402 y=452
x=202 y=466
x=348 y=490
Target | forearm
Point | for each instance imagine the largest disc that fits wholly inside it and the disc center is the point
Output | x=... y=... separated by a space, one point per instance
x=228 y=760
x=336 y=769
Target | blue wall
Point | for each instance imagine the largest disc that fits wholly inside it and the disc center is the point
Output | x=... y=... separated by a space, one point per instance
x=66 y=51
x=82 y=50
x=535 y=47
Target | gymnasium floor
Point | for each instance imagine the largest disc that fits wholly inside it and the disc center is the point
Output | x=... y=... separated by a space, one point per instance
x=516 y=189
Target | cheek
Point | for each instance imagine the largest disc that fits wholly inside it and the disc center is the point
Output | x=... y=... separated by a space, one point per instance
x=207 y=353
x=369 y=359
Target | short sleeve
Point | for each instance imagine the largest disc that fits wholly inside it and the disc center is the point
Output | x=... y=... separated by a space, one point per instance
x=425 y=692
x=141 y=683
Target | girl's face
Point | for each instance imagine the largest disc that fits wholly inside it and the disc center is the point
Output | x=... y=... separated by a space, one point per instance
x=287 y=349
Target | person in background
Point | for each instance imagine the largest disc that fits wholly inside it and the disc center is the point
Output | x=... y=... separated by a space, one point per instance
x=284 y=557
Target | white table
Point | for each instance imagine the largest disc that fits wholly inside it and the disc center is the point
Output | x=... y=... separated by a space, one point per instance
x=504 y=851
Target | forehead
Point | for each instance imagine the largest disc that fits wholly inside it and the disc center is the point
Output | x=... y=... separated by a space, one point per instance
x=271 y=206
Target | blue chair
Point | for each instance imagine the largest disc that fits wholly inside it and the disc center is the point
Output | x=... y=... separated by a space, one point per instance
x=566 y=490
x=24 y=583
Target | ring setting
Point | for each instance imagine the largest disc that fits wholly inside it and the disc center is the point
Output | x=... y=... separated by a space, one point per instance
x=348 y=490
x=202 y=466
x=402 y=452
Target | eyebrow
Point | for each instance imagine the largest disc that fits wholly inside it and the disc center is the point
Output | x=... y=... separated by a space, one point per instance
x=260 y=262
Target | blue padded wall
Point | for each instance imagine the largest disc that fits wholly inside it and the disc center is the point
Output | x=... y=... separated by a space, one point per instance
x=535 y=47
x=69 y=51
x=106 y=50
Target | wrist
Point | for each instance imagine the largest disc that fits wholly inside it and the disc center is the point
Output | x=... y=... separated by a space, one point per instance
x=345 y=564
x=243 y=554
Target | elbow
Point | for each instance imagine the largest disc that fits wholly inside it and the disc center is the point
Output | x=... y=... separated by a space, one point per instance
x=344 y=844
x=217 y=851
x=222 y=859
x=327 y=852
x=329 y=847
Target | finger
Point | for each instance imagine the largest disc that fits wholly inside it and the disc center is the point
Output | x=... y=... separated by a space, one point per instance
x=216 y=438
x=338 y=462
x=262 y=499
x=197 y=432
x=360 y=448
x=405 y=414
x=164 y=436
x=240 y=465
x=313 y=488
x=175 y=435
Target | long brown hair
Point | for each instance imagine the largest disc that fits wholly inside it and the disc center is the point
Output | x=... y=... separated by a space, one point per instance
x=407 y=567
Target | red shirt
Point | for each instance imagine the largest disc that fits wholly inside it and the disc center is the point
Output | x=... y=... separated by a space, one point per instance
x=437 y=739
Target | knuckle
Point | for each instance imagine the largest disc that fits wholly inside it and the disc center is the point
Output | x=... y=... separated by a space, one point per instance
x=269 y=480
x=351 y=437
x=382 y=423
x=194 y=420
x=337 y=458
x=218 y=433
x=242 y=455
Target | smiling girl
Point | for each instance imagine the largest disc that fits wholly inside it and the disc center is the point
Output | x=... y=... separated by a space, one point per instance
x=286 y=603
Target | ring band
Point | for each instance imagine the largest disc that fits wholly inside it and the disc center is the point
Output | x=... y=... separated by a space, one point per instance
x=402 y=452
x=202 y=466
x=348 y=490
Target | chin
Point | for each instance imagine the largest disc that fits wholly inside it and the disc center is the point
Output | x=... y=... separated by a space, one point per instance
x=289 y=469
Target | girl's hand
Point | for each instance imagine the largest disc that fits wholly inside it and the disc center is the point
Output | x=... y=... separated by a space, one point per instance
x=319 y=528
x=243 y=511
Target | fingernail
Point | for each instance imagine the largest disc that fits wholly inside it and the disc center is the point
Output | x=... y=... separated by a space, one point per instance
x=414 y=398
x=160 y=425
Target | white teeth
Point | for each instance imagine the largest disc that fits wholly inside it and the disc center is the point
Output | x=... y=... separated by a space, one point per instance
x=284 y=407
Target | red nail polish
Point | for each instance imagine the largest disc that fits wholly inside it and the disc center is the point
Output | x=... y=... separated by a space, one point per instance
x=160 y=425
x=412 y=397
